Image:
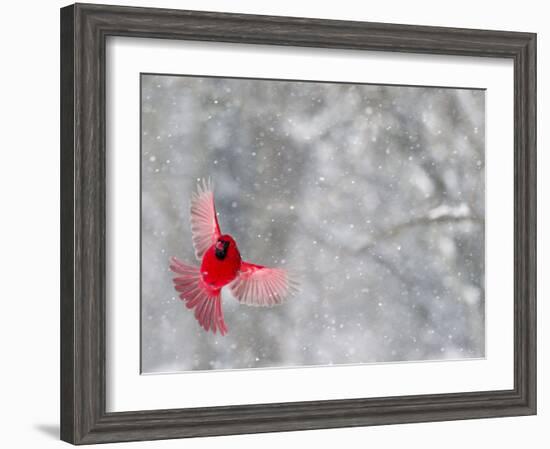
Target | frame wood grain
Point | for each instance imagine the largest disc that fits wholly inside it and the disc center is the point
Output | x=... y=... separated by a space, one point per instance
x=84 y=29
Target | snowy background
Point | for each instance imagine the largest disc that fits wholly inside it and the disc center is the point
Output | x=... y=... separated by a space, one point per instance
x=373 y=194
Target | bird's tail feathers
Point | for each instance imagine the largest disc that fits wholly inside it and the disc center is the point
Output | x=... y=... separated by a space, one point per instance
x=206 y=301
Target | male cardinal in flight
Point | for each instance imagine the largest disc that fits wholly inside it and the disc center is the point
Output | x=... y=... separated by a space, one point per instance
x=221 y=265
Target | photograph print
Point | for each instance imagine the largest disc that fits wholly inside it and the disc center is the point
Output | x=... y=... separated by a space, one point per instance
x=299 y=223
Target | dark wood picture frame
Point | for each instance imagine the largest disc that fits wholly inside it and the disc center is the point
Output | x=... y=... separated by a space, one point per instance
x=84 y=29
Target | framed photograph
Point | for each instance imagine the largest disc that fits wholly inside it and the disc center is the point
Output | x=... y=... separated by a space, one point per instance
x=276 y=223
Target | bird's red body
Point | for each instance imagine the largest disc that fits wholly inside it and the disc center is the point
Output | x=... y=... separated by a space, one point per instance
x=218 y=273
x=221 y=265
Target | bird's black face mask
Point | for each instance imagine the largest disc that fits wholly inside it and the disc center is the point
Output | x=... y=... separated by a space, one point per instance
x=221 y=249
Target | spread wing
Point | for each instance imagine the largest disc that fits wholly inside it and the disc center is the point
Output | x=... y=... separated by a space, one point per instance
x=257 y=285
x=205 y=229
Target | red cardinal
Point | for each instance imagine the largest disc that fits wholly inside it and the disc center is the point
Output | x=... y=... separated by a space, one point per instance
x=221 y=265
